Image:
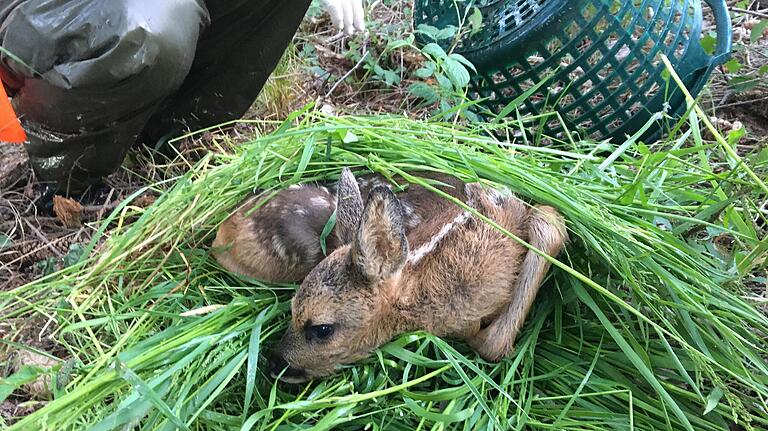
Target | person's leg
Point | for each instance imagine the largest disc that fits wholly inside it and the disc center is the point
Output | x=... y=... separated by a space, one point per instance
x=90 y=74
x=235 y=56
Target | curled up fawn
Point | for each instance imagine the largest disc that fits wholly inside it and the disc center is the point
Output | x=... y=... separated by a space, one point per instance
x=412 y=261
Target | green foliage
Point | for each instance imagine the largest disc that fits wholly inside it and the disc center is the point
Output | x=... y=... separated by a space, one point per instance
x=52 y=264
x=440 y=80
x=643 y=324
x=475 y=21
x=758 y=30
x=432 y=75
x=26 y=374
x=446 y=75
x=743 y=77
x=5 y=241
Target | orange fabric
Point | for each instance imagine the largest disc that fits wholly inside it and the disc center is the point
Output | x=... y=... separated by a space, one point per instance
x=10 y=128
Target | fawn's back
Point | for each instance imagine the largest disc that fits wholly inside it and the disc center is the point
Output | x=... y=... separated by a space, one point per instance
x=461 y=267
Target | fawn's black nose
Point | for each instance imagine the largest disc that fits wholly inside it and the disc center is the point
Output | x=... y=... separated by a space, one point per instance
x=277 y=364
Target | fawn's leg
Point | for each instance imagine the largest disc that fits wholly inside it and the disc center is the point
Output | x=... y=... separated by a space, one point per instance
x=546 y=232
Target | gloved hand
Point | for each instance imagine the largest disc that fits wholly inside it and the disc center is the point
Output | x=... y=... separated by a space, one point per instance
x=346 y=15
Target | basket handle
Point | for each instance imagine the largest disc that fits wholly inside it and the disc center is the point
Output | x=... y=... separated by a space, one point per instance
x=722 y=53
x=722 y=49
x=724 y=32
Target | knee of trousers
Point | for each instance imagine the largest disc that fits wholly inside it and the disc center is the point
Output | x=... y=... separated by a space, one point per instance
x=95 y=69
x=88 y=64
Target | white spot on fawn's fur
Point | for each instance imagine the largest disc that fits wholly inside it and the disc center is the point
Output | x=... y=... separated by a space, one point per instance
x=416 y=255
x=279 y=247
x=412 y=219
x=320 y=202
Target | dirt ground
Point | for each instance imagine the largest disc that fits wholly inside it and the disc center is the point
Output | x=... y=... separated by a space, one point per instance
x=36 y=240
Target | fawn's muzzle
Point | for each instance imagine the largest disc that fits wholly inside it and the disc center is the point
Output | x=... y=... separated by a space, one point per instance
x=291 y=375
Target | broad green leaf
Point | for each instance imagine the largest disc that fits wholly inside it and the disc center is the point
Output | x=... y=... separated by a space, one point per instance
x=435 y=51
x=399 y=43
x=424 y=91
x=733 y=65
x=444 y=81
x=745 y=82
x=758 y=30
x=349 y=137
x=475 y=21
x=709 y=42
x=423 y=72
x=456 y=72
x=463 y=60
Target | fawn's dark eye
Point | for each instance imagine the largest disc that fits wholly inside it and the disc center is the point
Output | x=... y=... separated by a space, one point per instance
x=320 y=332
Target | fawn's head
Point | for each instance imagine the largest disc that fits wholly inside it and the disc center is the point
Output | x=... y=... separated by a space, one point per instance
x=343 y=309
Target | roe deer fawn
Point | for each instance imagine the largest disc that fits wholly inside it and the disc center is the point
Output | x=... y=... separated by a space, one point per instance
x=416 y=262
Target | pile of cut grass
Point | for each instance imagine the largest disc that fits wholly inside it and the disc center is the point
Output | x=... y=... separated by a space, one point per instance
x=643 y=324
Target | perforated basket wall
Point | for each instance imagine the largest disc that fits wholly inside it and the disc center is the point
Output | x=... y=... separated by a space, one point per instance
x=601 y=58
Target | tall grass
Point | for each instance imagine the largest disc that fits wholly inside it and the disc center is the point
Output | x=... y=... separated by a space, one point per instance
x=643 y=324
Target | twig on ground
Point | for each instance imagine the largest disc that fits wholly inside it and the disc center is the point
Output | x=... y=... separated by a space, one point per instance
x=42 y=238
x=349 y=72
x=750 y=12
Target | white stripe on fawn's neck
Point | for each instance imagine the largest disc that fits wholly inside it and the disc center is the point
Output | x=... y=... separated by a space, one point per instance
x=419 y=253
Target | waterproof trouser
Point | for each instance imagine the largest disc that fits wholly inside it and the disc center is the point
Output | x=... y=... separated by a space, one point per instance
x=91 y=77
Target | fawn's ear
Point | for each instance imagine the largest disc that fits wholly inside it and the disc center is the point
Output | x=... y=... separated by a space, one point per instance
x=349 y=207
x=380 y=247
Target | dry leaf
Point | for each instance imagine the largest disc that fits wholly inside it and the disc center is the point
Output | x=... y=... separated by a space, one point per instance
x=69 y=211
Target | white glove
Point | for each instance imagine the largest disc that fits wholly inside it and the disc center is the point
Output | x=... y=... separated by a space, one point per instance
x=346 y=15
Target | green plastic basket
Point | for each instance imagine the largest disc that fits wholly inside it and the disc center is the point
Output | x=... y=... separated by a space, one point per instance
x=601 y=58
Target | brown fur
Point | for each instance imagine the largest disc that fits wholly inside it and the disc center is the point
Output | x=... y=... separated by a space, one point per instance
x=451 y=274
x=276 y=238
